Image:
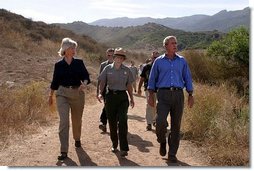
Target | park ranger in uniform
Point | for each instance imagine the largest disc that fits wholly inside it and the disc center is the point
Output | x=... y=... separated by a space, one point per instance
x=118 y=79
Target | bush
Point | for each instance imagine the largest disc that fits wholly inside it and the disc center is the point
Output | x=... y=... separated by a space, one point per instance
x=219 y=121
x=233 y=49
x=23 y=109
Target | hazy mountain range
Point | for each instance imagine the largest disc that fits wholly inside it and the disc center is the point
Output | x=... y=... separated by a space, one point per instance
x=196 y=31
x=222 y=21
x=146 y=37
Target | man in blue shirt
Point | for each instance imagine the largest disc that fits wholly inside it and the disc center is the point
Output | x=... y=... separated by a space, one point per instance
x=170 y=73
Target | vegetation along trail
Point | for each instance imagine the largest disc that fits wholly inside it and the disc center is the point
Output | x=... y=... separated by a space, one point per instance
x=42 y=149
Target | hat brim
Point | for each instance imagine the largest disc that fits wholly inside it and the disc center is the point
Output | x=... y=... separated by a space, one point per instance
x=120 y=55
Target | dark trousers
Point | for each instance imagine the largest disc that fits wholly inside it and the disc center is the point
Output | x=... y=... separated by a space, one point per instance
x=103 y=117
x=169 y=102
x=116 y=106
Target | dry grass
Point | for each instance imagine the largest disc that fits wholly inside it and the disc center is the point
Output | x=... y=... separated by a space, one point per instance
x=22 y=110
x=219 y=121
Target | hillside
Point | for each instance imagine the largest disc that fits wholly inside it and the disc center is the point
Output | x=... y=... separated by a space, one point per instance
x=223 y=21
x=29 y=49
x=146 y=37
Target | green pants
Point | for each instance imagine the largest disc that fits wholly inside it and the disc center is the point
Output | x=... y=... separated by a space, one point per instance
x=116 y=106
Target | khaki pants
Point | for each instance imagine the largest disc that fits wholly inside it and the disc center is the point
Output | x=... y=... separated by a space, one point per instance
x=150 y=111
x=69 y=99
x=134 y=85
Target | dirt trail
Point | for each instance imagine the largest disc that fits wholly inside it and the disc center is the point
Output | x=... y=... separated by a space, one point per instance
x=42 y=149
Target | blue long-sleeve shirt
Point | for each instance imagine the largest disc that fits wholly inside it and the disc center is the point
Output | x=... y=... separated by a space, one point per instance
x=170 y=73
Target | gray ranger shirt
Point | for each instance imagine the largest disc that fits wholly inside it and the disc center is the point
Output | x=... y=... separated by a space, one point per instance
x=116 y=79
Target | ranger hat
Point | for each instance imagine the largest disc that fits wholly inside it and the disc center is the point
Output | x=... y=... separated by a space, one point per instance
x=120 y=52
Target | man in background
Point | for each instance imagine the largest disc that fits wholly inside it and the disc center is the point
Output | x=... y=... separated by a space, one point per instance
x=144 y=76
x=103 y=116
x=134 y=71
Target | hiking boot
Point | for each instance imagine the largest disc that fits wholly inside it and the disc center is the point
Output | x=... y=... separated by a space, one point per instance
x=62 y=156
x=77 y=144
x=149 y=127
x=163 y=150
x=103 y=128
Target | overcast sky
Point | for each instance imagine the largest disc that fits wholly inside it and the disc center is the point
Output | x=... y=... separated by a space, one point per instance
x=66 y=11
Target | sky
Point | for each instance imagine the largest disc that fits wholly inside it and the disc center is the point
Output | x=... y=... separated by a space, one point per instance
x=67 y=11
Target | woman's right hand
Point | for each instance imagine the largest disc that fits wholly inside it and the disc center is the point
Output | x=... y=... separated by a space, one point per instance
x=100 y=98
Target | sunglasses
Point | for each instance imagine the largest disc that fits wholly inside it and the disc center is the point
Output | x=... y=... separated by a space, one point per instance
x=111 y=50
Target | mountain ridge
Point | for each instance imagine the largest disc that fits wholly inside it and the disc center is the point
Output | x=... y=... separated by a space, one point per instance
x=198 y=22
x=148 y=36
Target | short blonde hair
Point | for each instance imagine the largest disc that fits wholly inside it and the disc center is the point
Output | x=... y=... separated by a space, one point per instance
x=166 y=40
x=66 y=43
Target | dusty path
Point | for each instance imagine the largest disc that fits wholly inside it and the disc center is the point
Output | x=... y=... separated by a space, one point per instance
x=42 y=149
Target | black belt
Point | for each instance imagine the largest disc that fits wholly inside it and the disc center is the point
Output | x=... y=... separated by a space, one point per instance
x=71 y=87
x=171 y=88
x=116 y=91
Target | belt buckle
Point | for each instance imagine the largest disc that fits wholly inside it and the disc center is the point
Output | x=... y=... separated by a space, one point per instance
x=171 y=88
x=114 y=92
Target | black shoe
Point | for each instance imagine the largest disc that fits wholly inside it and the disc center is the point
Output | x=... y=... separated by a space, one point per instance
x=113 y=149
x=63 y=156
x=172 y=158
x=154 y=124
x=77 y=144
x=123 y=153
x=103 y=128
x=149 y=127
x=163 y=150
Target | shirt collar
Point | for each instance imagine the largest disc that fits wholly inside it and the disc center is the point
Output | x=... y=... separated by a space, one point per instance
x=175 y=57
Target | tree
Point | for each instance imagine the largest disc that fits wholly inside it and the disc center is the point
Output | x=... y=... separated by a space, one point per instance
x=233 y=48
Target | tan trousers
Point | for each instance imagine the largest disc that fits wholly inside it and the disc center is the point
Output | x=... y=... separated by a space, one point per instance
x=134 y=85
x=150 y=111
x=69 y=99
